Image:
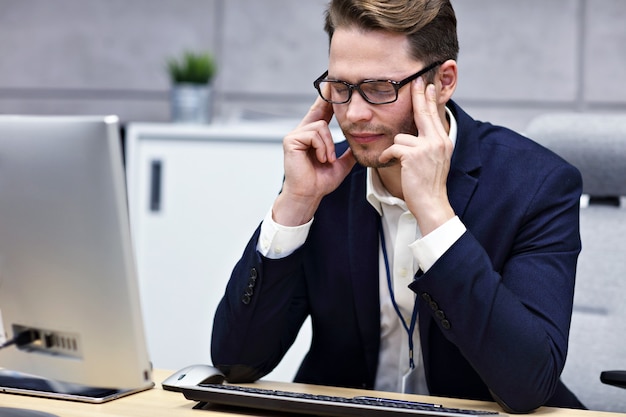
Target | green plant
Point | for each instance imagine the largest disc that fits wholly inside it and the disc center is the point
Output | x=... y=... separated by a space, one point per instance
x=195 y=68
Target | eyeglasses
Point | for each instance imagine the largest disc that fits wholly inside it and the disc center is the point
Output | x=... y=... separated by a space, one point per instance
x=373 y=91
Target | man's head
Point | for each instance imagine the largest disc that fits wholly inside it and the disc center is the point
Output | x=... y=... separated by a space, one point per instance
x=429 y=25
x=372 y=40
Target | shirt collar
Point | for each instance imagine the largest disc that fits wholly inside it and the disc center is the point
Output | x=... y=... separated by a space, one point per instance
x=377 y=194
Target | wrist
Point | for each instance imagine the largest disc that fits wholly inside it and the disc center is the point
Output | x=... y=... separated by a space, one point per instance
x=292 y=210
x=432 y=217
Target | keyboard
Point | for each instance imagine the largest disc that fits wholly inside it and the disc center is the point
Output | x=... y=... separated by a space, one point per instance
x=322 y=405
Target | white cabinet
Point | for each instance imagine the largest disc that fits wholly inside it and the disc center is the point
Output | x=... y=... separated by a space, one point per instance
x=196 y=194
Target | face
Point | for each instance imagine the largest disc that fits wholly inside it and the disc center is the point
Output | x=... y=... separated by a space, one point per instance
x=356 y=56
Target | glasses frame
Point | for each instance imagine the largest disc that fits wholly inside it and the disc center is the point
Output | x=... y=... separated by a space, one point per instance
x=397 y=85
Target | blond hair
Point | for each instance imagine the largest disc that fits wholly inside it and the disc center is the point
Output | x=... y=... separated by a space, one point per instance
x=430 y=25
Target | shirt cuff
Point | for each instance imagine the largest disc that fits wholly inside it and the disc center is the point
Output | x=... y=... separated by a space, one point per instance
x=431 y=247
x=277 y=241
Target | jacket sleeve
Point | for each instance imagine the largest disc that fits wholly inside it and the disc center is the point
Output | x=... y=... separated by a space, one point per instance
x=507 y=308
x=264 y=307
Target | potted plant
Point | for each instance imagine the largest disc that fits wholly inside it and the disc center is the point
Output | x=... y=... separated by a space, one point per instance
x=191 y=75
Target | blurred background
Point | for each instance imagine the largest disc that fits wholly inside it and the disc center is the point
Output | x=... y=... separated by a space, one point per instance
x=518 y=58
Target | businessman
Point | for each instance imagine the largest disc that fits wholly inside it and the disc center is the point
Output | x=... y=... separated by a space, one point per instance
x=435 y=254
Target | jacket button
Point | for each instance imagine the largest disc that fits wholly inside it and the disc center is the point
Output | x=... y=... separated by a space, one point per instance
x=440 y=314
x=445 y=324
x=245 y=299
x=426 y=297
x=253 y=273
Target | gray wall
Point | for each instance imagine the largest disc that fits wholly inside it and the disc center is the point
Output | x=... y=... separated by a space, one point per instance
x=518 y=58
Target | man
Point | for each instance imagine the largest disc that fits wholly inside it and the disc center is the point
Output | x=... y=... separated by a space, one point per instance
x=436 y=254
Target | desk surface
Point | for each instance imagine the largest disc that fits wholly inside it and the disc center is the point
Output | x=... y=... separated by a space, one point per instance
x=159 y=403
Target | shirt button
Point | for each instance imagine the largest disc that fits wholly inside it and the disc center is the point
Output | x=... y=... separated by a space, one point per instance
x=278 y=250
x=403 y=272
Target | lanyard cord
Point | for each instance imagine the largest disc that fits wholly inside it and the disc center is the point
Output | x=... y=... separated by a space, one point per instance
x=410 y=329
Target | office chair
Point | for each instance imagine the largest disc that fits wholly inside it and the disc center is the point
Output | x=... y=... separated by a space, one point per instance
x=596 y=145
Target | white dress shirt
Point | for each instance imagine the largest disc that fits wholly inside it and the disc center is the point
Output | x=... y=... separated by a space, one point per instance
x=407 y=251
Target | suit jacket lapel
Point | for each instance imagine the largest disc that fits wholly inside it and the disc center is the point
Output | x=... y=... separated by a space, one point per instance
x=363 y=244
x=465 y=164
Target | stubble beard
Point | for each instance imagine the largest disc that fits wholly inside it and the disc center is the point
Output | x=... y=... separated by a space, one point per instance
x=368 y=154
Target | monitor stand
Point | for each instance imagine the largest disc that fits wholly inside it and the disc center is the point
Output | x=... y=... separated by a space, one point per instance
x=22 y=412
x=23 y=384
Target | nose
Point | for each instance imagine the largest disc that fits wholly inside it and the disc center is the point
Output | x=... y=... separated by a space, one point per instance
x=358 y=109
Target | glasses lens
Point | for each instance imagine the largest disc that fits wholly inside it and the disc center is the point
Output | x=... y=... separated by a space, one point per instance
x=334 y=91
x=379 y=91
x=376 y=92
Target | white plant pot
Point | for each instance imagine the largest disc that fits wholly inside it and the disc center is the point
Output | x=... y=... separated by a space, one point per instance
x=190 y=103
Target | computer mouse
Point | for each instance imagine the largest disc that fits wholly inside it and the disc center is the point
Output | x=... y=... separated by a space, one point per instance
x=191 y=376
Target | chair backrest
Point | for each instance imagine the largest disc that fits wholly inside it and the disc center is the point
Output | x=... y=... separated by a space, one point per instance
x=596 y=145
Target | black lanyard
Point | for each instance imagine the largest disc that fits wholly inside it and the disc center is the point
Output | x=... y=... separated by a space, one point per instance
x=410 y=328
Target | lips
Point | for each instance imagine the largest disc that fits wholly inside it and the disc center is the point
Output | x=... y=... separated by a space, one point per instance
x=366 y=137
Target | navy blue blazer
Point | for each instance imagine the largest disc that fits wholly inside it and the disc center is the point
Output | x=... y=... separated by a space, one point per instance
x=494 y=310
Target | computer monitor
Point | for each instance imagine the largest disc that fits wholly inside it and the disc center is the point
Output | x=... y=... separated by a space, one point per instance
x=67 y=271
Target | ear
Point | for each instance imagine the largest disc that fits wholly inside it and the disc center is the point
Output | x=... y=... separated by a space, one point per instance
x=446 y=80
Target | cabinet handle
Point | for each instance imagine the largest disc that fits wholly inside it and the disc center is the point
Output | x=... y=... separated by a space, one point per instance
x=156 y=172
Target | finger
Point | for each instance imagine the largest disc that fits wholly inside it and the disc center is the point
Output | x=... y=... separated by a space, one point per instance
x=324 y=145
x=321 y=111
x=404 y=139
x=431 y=100
x=315 y=139
x=425 y=111
x=347 y=160
x=393 y=152
x=344 y=164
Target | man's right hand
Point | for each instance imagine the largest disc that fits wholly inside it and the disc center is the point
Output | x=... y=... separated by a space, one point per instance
x=312 y=170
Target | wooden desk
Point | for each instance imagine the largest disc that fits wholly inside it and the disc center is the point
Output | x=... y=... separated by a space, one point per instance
x=160 y=403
